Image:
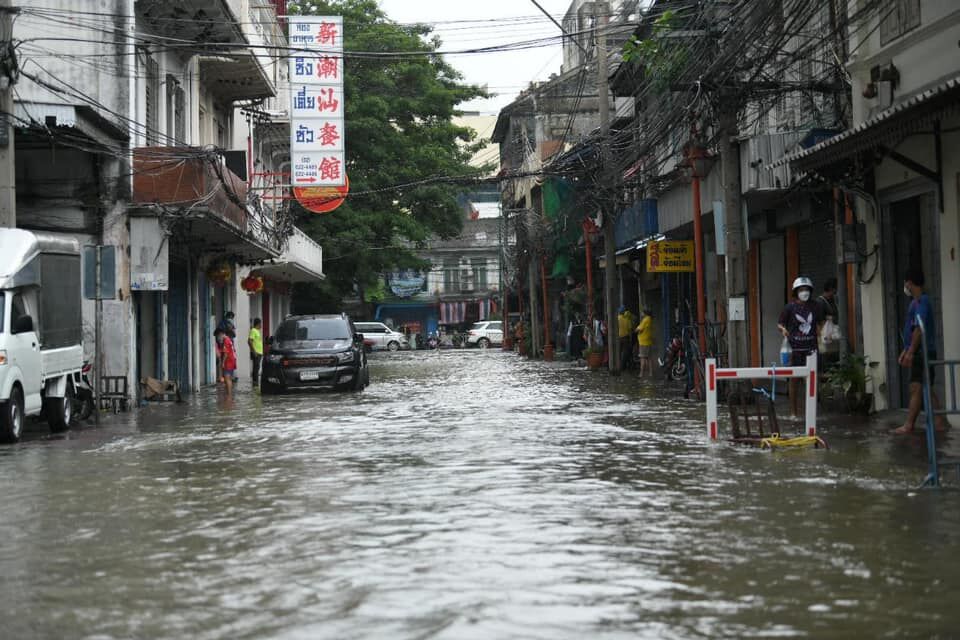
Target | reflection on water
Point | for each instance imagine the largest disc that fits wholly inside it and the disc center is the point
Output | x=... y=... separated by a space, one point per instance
x=468 y=495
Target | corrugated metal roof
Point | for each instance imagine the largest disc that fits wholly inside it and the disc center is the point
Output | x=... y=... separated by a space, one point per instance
x=910 y=115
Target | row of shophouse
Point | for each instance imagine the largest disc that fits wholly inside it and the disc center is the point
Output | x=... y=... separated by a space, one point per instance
x=159 y=131
x=845 y=166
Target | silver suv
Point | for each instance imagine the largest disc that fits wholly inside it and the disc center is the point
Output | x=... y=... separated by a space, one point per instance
x=484 y=334
x=380 y=336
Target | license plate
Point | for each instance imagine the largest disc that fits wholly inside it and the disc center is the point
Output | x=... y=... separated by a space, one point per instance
x=309 y=375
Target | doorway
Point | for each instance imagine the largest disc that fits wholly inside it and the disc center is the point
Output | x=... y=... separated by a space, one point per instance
x=911 y=229
x=773 y=277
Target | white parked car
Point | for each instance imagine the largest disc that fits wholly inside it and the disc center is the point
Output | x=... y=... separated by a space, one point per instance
x=484 y=334
x=379 y=336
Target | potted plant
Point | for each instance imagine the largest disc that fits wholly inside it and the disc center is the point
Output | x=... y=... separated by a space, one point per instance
x=594 y=356
x=526 y=343
x=849 y=377
x=522 y=339
x=549 y=351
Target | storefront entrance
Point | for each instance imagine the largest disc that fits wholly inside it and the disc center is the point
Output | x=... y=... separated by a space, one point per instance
x=911 y=228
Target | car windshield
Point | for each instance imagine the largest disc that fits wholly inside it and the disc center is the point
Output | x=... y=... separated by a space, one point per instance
x=316 y=329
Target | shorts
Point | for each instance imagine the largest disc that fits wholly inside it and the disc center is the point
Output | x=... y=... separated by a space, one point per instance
x=643 y=351
x=916 y=369
x=228 y=373
x=799 y=358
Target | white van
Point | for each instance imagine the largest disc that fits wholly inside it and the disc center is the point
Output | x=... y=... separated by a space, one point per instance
x=41 y=329
x=380 y=336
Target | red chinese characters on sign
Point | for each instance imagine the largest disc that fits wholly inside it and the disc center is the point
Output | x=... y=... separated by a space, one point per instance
x=329 y=134
x=330 y=169
x=328 y=34
x=327 y=100
x=328 y=68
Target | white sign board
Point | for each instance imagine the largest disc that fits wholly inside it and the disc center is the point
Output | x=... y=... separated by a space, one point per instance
x=317 y=128
x=149 y=255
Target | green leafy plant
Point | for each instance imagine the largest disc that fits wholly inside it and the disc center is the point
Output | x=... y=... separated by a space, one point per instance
x=849 y=375
x=662 y=56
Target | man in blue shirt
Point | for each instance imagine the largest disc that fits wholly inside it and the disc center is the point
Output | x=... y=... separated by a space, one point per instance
x=912 y=357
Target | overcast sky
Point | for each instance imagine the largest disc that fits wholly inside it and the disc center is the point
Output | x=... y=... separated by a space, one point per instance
x=469 y=25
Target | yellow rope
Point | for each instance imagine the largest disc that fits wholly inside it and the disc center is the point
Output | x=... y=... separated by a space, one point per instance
x=775 y=441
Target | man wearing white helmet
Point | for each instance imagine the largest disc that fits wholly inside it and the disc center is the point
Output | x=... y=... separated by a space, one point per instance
x=800 y=324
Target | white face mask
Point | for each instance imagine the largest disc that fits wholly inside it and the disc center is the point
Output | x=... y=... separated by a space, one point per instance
x=804 y=296
x=907 y=292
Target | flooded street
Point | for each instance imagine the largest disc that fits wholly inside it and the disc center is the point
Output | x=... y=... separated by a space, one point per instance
x=468 y=494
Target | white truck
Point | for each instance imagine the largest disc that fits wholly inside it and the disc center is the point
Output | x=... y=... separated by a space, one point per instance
x=41 y=329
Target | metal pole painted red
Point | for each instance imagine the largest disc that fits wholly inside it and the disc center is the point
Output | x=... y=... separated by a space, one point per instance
x=547 y=342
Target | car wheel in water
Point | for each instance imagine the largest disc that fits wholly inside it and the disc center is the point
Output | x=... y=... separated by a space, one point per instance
x=11 y=417
x=483 y=343
x=269 y=388
x=393 y=346
x=60 y=411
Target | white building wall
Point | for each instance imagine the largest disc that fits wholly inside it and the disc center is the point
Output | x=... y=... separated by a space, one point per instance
x=919 y=57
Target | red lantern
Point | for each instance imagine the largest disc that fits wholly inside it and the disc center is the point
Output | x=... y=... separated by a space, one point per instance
x=219 y=273
x=252 y=284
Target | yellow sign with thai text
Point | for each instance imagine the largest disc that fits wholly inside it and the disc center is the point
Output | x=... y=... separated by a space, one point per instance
x=670 y=256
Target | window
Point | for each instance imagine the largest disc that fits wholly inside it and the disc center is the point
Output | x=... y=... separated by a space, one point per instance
x=371 y=328
x=152 y=98
x=451 y=275
x=897 y=17
x=2 y=303
x=480 y=272
x=202 y=120
x=495 y=326
x=180 y=117
x=17 y=309
x=176 y=126
x=316 y=329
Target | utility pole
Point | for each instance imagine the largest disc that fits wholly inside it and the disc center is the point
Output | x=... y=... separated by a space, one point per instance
x=600 y=19
x=8 y=65
x=736 y=271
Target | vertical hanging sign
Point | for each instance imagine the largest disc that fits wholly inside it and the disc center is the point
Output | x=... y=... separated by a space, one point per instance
x=317 y=150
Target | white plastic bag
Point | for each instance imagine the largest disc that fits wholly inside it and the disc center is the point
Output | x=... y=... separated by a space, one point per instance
x=830 y=336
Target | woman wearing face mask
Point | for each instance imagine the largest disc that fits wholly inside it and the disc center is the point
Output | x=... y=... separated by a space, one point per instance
x=800 y=324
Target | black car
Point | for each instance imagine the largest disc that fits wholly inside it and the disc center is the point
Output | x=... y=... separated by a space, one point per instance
x=315 y=351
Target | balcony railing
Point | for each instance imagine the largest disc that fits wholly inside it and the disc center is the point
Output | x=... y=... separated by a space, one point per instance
x=302 y=250
x=170 y=176
x=198 y=184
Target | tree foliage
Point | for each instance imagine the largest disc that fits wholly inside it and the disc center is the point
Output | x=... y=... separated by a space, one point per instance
x=662 y=56
x=399 y=133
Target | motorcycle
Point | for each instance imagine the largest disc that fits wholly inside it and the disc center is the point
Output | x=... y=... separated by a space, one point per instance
x=672 y=363
x=83 y=403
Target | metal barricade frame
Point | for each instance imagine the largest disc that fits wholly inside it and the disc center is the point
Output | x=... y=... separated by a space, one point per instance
x=808 y=373
x=933 y=465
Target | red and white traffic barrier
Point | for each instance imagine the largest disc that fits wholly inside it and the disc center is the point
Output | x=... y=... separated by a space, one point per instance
x=716 y=375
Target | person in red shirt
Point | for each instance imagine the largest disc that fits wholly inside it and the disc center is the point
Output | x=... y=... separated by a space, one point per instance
x=228 y=362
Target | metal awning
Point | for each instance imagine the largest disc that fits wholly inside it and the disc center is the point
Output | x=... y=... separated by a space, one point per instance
x=881 y=132
x=235 y=76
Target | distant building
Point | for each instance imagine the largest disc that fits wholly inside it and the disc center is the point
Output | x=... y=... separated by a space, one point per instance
x=461 y=285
